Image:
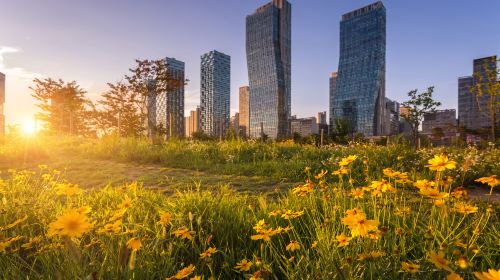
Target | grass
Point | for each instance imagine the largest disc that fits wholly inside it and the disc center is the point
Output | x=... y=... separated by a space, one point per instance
x=409 y=224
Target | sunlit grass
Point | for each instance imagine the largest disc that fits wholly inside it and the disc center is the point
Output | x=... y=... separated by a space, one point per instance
x=370 y=220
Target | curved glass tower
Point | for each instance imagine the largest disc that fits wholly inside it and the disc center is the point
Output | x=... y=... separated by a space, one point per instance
x=268 y=41
x=360 y=90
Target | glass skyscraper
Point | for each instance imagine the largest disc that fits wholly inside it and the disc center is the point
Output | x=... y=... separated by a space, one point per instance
x=268 y=47
x=215 y=91
x=360 y=91
x=333 y=87
x=166 y=109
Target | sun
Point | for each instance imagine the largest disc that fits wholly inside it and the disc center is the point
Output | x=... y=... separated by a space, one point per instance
x=29 y=128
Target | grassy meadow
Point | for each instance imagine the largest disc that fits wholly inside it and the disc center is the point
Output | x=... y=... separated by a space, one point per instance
x=245 y=210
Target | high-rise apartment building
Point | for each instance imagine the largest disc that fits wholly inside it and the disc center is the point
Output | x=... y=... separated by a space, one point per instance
x=2 y=102
x=215 y=92
x=473 y=110
x=244 y=107
x=360 y=90
x=392 y=117
x=322 y=123
x=333 y=86
x=440 y=125
x=193 y=122
x=235 y=124
x=166 y=109
x=268 y=48
x=304 y=126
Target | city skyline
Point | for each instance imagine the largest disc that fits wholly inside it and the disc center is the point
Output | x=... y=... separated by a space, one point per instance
x=309 y=84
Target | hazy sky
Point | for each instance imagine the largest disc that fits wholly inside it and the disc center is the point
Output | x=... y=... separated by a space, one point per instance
x=429 y=42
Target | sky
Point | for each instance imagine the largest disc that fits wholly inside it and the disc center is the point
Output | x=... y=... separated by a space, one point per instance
x=429 y=43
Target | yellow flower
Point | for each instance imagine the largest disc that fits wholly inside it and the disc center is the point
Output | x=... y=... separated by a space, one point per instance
x=343 y=240
x=439 y=261
x=439 y=202
x=292 y=246
x=433 y=193
x=84 y=210
x=462 y=263
x=465 y=208
x=441 y=163
x=421 y=184
x=274 y=213
x=208 y=253
x=115 y=227
x=402 y=211
x=357 y=193
x=410 y=267
x=165 y=218
x=492 y=274
x=126 y=203
x=33 y=241
x=370 y=256
x=454 y=276
x=358 y=224
x=321 y=174
x=134 y=243
x=347 y=160
x=184 y=233
x=197 y=277
x=70 y=224
x=243 y=265
x=68 y=189
x=288 y=214
x=183 y=273
x=492 y=181
x=15 y=223
x=314 y=245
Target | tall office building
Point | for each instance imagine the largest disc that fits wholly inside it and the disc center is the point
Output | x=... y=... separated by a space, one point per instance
x=268 y=48
x=304 y=126
x=473 y=110
x=215 y=92
x=244 y=110
x=333 y=86
x=392 y=117
x=193 y=122
x=360 y=91
x=166 y=109
x=322 y=123
x=440 y=125
x=2 y=102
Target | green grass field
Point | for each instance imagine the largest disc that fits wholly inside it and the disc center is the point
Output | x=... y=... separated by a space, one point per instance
x=76 y=208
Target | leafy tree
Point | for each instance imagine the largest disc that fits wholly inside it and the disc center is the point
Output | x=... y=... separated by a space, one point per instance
x=121 y=110
x=148 y=79
x=341 y=130
x=64 y=108
x=488 y=84
x=419 y=105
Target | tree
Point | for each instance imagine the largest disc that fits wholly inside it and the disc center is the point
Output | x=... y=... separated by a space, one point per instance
x=149 y=79
x=419 y=105
x=64 y=108
x=341 y=130
x=487 y=84
x=121 y=110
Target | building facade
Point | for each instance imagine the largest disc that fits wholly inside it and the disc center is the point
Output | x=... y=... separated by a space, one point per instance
x=360 y=89
x=440 y=125
x=244 y=107
x=391 y=117
x=268 y=49
x=304 y=126
x=2 y=103
x=473 y=110
x=235 y=124
x=166 y=109
x=331 y=100
x=215 y=92
x=322 y=122
x=192 y=122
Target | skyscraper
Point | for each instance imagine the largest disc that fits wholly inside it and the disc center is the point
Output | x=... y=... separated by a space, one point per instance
x=215 y=92
x=473 y=110
x=244 y=110
x=268 y=48
x=2 y=102
x=360 y=91
x=333 y=85
x=167 y=108
x=193 y=122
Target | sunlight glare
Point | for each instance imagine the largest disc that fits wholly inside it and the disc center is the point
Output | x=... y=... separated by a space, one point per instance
x=29 y=128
